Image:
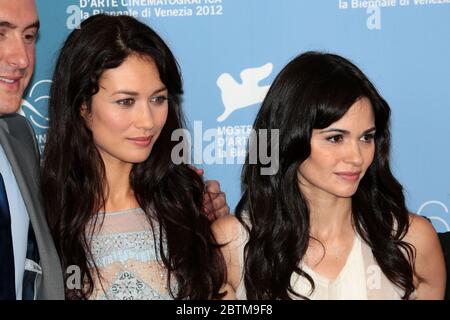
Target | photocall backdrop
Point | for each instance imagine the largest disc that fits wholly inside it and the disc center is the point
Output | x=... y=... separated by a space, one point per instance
x=229 y=52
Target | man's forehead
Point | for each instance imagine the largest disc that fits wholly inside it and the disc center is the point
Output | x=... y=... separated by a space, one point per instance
x=18 y=13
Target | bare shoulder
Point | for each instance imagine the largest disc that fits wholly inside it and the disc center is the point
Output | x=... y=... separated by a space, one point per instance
x=421 y=232
x=429 y=268
x=227 y=229
x=229 y=232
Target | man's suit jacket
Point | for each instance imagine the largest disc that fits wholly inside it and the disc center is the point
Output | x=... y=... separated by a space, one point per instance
x=445 y=243
x=19 y=143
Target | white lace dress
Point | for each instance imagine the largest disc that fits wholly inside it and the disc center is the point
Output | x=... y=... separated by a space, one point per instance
x=129 y=262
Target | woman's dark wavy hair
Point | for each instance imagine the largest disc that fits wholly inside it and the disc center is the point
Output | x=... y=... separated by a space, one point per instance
x=74 y=174
x=311 y=92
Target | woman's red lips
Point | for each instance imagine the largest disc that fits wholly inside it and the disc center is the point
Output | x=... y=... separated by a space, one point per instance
x=141 y=141
x=349 y=175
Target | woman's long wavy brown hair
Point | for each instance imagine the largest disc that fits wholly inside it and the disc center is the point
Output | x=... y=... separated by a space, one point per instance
x=313 y=91
x=74 y=174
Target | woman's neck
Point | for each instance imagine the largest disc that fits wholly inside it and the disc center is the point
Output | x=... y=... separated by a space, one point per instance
x=119 y=194
x=330 y=216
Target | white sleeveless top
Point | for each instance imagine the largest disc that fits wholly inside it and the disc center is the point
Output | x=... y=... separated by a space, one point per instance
x=129 y=262
x=360 y=279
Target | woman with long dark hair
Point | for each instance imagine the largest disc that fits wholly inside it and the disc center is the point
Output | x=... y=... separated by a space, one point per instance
x=331 y=223
x=123 y=216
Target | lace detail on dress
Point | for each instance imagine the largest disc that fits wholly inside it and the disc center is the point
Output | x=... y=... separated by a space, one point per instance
x=128 y=287
x=121 y=247
x=128 y=258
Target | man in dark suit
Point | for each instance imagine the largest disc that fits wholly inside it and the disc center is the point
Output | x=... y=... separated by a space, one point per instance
x=445 y=243
x=29 y=264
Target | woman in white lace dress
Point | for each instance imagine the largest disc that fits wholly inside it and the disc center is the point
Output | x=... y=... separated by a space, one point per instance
x=331 y=222
x=119 y=207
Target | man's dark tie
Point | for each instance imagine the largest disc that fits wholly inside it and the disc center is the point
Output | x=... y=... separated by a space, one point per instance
x=7 y=277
